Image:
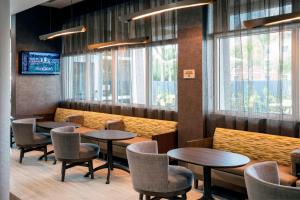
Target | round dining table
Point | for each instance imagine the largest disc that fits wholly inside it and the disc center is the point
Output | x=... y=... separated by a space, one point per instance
x=109 y=136
x=208 y=159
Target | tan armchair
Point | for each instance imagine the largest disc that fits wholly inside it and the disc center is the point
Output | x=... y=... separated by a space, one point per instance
x=153 y=176
x=262 y=182
x=71 y=152
x=27 y=139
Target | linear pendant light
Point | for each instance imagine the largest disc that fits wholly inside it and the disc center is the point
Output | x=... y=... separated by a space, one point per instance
x=165 y=8
x=69 y=31
x=274 y=20
x=118 y=43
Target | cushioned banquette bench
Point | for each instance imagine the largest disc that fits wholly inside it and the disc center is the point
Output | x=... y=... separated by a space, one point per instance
x=258 y=147
x=165 y=132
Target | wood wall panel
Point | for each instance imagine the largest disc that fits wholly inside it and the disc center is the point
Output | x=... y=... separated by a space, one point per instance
x=190 y=109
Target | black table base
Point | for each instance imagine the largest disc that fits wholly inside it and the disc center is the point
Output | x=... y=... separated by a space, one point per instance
x=110 y=165
x=207 y=195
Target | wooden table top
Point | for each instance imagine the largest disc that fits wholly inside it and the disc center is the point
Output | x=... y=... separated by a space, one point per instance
x=24 y=117
x=109 y=135
x=209 y=157
x=52 y=124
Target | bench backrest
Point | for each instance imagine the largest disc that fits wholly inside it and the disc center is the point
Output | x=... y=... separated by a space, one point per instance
x=144 y=127
x=257 y=146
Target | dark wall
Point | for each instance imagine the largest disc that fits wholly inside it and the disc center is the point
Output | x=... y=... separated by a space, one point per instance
x=34 y=94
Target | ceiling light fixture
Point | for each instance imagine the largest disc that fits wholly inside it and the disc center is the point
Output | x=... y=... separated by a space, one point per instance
x=119 y=43
x=274 y=20
x=69 y=31
x=64 y=32
x=165 y=8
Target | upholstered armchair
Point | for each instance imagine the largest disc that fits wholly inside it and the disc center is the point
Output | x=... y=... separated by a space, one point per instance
x=262 y=182
x=71 y=152
x=27 y=139
x=152 y=175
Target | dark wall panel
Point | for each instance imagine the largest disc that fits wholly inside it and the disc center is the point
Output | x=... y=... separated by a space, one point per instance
x=190 y=109
x=35 y=94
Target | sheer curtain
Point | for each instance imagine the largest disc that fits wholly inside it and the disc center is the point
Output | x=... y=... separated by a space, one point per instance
x=141 y=74
x=104 y=25
x=252 y=73
x=163 y=65
x=253 y=69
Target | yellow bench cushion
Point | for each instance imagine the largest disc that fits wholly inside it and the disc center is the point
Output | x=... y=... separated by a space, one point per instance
x=257 y=146
x=61 y=114
x=144 y=127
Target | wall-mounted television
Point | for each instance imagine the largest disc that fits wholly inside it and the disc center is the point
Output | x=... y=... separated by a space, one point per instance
x=39 y=63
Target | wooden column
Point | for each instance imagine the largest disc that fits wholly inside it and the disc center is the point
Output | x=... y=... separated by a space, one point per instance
x=190 y=109
x=4 y=97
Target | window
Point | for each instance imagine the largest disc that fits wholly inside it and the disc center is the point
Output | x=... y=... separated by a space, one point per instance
x=145 y=76
x=164 y=76
x=257 y=72
x=102 y=77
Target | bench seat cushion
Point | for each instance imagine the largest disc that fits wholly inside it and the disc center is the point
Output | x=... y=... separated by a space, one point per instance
x=286 y=178
x=238 y=170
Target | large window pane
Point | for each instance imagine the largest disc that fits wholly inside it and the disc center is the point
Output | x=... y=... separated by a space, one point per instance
x=163 y=64
x=78 y=81
x=102 y=76
x=131 y=76
x=255 y=73
x=145 y=75
x=123 y=76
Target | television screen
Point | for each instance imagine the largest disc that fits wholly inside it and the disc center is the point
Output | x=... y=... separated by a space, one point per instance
x=40 y=63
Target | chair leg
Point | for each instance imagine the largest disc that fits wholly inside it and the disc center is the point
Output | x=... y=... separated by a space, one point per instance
x=141 y=197
x=11 y=139
x=63 y=170
x=196 y=183
x=148 y=197
x=21 y=155
x=45 y=153
x=184 y=197
x=91 y=169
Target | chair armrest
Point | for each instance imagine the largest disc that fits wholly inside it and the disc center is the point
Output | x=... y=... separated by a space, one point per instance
x=76 y=119
x=204 y=143
x=295 y=158
x=115 y=125
x=166 y=141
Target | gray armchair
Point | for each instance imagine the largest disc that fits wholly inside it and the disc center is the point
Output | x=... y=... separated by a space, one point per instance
x=153 y=176
x=26 y=138
x=71 y=152
x=262 y=182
